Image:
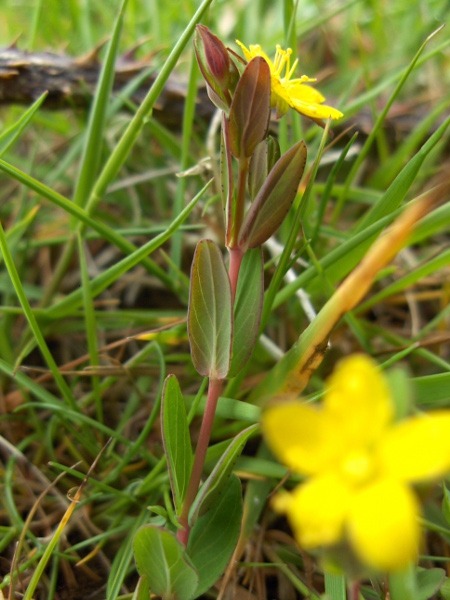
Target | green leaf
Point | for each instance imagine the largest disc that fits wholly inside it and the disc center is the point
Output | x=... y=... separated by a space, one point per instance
x=335 y=586
x=142 y=591
x=229 y=408
x=90 y=159
x=403 y=585
x=250 y=109
x=8 y=137
x=402 y=391
x=124 y=146
x=247 y=309
x=274 y=199
x=446 y=504
x=445 y=589
x=162 y=559
x=429 y=582
x=217 y=481
x=432 y=389
x=210 y=312
x=401 y=184
x=176 y=439
x=215 y=535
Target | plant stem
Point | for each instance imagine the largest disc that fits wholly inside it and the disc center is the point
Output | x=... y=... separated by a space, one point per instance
x=240 y=198
x=236 y=256
x=353 y=590
x=214 y=389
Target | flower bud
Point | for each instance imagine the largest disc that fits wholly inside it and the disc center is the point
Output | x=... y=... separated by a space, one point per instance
x=218 y=70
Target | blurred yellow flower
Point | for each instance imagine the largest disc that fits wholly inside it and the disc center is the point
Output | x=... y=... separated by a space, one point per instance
x=360 y=464
x=291 y=92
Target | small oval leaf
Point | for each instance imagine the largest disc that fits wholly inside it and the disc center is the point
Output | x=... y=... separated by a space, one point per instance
x=215 y=535
x=176 y=439
x=274 y=199
x=217 y=481
x=163 y=560
x=210 y=316
x=247 y=309
x=250 y=109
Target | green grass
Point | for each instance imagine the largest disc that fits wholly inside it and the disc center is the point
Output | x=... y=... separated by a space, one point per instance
x=90 y=261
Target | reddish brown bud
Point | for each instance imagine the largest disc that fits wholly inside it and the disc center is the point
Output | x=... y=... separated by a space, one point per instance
x=218 y=70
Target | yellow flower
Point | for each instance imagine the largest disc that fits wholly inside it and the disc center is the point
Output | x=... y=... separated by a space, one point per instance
x=291 y=92
x=360 y=465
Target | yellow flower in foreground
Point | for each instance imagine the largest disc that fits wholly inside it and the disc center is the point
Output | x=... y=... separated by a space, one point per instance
x=291 y=92
x=360 y=465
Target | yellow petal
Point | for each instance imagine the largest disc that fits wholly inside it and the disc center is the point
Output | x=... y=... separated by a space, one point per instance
x=358 y=401
x=305 y=93
x=300 y=437
x=383 y=525
x=317 y=511
x=254 y=50
x=418 y=448
x=315 y=111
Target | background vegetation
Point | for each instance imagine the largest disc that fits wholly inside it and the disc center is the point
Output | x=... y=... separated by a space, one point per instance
x=71 y=304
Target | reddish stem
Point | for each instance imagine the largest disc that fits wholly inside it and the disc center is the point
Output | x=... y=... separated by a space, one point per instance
x=236 y=256
x=214 y=389
x=353 y=590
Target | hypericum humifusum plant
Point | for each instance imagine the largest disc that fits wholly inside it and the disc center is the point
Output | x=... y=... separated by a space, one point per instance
x=225 y=305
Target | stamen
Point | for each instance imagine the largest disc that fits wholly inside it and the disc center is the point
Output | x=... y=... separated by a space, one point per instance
x=277 y=60
x=292 y=69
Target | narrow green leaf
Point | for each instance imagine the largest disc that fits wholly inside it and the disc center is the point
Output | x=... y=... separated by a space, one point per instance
x=402 y=183
x=247 y=309
x=177 y=442
x=376 y=129
x=162 y=559
x=446 y=504
x=215 y=535
x=250 y=109
x=90 y=159
x=217 y=481
x=210 y=312
x=335 y=586
x=274 y=199
x=91 y=327
x=432 y=390
x=8 y=137
x=37 y=333
x=257 y=491
x=229 y=408
x=425 y=269
x=132 y=132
